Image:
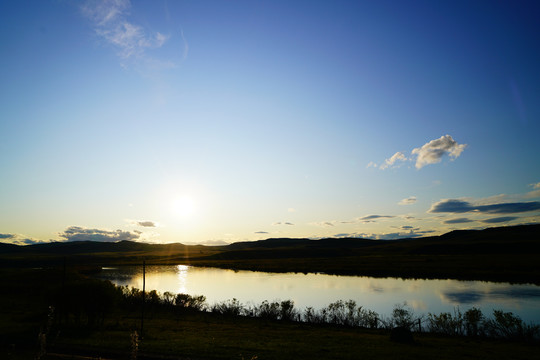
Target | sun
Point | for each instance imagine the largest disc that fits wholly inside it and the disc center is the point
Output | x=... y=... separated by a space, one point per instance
x=184 y=207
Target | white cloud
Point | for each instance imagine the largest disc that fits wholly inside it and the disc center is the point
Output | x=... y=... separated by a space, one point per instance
x=399 y=156
x=408 y=201
x=433 y=151
x=430 y=153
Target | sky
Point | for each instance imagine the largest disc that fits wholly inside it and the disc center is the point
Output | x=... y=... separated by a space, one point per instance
x=214 y=122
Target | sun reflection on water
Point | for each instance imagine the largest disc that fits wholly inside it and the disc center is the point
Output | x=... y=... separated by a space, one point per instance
x=182 y=274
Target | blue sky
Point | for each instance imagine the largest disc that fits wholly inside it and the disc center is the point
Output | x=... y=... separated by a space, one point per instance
x=214 y=122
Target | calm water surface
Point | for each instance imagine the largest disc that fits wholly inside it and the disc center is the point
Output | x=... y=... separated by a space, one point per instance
x=319 y=290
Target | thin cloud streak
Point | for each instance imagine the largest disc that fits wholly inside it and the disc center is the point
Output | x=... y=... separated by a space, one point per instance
x=461 y=206
x=458 y=221
x=499 y=219
x=371 y=218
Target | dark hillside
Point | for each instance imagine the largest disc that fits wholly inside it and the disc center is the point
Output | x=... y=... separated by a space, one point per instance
x=499 y=254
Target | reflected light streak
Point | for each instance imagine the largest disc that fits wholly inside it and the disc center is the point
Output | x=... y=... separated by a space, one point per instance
x=182 y=274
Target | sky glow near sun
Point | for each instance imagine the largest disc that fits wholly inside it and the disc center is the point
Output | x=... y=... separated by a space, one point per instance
x=215 y=122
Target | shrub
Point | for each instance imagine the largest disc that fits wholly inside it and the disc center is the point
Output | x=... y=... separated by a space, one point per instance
x=268 y=310
x=402 y=317
x=287 y=311
x=510 y=326
x=229 y=307
x=473 y=321
x=367 y=318
x=196 y=302
x=446 y=323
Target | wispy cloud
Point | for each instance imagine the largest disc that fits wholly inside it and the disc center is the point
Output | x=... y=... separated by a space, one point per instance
x=399 y=156
x=7 y=236
x=408 y=201
x=462 y=206
x=430 y=153
x=535 y=193
x=77 y=233
x=282 y=223
x=110 y=21
x=324 y=223
x=261 y=232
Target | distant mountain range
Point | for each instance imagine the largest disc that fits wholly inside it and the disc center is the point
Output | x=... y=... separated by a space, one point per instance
x=501 y=254
x=498 y=239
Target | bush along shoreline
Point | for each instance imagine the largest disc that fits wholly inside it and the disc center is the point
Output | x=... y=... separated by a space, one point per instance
x=470 y=323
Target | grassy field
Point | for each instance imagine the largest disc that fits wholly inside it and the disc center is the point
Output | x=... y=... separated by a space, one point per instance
x=183 y=334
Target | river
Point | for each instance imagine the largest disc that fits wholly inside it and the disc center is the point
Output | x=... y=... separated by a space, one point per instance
x=319 y=290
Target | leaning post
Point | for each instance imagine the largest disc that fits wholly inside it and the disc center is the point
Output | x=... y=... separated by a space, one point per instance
x=143 y=295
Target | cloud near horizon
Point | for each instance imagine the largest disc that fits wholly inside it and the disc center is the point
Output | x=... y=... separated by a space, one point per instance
x=77 y=233
x=461 y=206
x=18 y=239
x=430 y=153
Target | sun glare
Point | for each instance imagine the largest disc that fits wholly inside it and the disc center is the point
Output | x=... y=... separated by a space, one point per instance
x=184 y=207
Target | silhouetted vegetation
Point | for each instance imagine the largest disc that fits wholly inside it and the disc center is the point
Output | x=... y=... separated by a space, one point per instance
x=473 y=323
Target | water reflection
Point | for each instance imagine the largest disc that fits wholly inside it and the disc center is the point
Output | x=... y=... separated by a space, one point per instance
x=319 y=290
x=500 y=293
x=182 y=272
